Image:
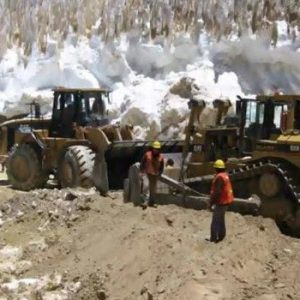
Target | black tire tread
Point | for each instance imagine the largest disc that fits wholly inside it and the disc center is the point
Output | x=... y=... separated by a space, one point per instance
x=84 y=158
x=37 y=179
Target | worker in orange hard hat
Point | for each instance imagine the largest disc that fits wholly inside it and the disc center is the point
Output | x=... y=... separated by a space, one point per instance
x=221 y=196
x=153 y=165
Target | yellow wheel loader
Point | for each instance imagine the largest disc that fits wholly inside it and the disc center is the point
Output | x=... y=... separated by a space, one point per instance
x=78 y=145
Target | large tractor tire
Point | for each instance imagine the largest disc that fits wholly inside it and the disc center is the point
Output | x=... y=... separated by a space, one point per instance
x=126 y=191
x=24 y=168
x=76 y=167
x=100 y=176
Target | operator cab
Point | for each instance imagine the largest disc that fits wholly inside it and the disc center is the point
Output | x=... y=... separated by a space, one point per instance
x=267 y=117
x=83 y=107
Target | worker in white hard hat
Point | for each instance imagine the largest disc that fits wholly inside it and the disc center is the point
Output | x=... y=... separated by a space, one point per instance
x=153 y=165
x=221 y=196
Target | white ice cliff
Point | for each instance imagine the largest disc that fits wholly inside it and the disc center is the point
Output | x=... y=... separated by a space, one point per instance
x=139 y=49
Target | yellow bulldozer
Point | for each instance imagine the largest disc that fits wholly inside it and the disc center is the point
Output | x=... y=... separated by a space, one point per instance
x=260 y=143
x=269 y=131
x=78 y=144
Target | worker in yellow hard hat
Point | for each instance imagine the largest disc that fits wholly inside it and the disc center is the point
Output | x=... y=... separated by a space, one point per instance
x=221 y=196
x=219 y=165
x=153 y=165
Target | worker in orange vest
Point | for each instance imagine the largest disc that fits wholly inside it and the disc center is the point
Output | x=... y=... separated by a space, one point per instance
x=221 y=196
x=153 y=165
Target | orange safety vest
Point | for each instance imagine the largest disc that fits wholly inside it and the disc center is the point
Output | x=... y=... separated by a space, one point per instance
x=152 y=165
x=226 y=193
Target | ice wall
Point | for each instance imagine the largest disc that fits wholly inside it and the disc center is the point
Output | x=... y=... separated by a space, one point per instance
x=26 y=22
x=260 y=70
x=141 y=48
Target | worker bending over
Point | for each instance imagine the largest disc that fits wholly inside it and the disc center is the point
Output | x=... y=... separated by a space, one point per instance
x=153 y=165
x=221 y=196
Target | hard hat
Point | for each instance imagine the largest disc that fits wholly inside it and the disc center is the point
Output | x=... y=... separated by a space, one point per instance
x=156 y=145
x=219 y=164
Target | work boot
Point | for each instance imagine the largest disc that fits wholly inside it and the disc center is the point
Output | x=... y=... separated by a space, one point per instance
x=151 y=203
x=211 y=240
x=145 y=204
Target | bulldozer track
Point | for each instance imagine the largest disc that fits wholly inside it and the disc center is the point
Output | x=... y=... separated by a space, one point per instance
x=289 y=188
x=283 y=169
x=286 y=172
x=288 y=191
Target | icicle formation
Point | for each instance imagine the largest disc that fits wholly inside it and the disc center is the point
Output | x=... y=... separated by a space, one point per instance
x=24 y=23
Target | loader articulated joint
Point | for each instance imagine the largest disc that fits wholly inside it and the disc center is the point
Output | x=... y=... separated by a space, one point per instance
x=39 y=143
x=32 y=139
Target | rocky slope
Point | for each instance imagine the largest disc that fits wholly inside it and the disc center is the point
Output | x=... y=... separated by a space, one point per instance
x=78 y=245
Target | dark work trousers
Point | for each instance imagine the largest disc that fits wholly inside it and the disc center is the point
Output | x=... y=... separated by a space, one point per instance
x=152 y=188
x=218 y=228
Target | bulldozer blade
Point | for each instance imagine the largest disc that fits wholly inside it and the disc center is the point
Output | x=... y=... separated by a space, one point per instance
x=138 y=148
x=250 y=206
x=179 y=186
x=190 y=198
x=187 y=197
x=123 y=154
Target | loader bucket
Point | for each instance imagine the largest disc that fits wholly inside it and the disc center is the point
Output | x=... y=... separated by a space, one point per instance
x=121 y=155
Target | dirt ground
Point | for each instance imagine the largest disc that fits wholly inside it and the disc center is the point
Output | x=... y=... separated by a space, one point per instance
x=75 y=244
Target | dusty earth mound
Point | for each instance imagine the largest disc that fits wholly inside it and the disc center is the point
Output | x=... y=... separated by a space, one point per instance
x=77 y=245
